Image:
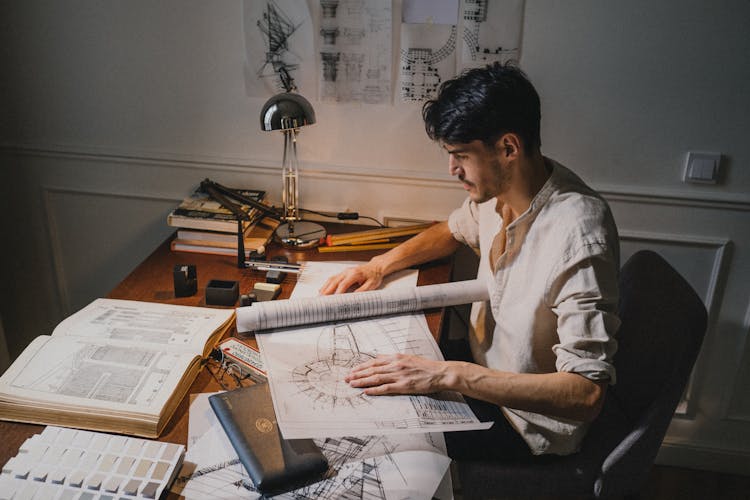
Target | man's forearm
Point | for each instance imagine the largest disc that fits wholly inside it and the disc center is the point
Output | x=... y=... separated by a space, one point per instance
x=561 y=394
x=431 y=244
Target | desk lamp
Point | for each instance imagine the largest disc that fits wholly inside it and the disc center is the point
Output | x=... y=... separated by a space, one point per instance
x=288 y=112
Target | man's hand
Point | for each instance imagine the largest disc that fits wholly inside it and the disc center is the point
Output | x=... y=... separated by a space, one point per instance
x=358 y=279
x=400 y=374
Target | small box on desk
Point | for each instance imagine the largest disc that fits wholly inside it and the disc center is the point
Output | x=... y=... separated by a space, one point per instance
x=222 y=292
x=185 y=280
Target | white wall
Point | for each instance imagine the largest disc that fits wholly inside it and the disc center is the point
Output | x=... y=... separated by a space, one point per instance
x=110 y=112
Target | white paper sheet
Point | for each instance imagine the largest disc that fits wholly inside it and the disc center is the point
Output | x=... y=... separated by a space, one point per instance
x=307 y=365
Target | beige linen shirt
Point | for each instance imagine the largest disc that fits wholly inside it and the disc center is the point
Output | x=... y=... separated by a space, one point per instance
x=553 y=297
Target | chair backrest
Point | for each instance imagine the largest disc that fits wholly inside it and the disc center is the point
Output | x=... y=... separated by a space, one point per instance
x=663 y=325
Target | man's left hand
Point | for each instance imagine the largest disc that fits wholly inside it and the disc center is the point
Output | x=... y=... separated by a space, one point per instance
x=399 y=374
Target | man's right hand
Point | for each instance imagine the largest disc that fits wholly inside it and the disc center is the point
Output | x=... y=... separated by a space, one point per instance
x=368 y=276
x=433 y=243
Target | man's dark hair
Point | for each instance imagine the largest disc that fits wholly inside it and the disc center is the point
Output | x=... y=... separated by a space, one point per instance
x=483 y=104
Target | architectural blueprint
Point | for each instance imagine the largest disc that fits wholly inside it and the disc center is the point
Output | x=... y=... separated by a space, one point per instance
x=491 y=31
x=440 y=38
x=355 y=51
x=344 y=47
x=369 y=467
x=428 y=57
x=307 y=365
x=391 y=300
x=429 y=34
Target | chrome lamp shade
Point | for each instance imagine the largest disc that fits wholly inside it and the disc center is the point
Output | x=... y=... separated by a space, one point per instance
x=288 y=112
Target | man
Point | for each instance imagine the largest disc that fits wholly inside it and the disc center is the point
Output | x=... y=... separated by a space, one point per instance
x=542 y=348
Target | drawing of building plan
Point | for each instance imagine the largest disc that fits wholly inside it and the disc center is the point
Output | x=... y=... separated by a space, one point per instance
x=307 y=365
x=432 y=50
x=355 y=51
x=428 y=47
x=369 y=467
x=491 y=31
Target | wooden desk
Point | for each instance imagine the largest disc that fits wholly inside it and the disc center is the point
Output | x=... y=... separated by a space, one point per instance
x=152 y=281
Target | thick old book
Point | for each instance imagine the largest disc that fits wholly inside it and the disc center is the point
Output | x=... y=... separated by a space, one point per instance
x=200 y=211
x=276 y=465
x=115 y=366
x=212 y=242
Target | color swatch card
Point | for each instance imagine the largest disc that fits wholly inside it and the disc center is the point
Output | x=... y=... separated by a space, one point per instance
x=69 y=464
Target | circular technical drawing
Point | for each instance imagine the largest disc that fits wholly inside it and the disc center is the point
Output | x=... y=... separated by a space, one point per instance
x=322 y=380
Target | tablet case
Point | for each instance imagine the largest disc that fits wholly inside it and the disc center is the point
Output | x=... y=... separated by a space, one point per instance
x=276 y=465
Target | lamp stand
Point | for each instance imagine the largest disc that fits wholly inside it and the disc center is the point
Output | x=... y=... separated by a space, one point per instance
x=294 y=232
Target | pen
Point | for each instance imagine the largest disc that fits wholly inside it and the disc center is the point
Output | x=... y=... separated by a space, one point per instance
x=273 y=266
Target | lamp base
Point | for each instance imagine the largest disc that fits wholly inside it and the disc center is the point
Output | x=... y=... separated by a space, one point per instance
x=300 y=234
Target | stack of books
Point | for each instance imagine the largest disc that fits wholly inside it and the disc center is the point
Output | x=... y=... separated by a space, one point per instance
x=205 y=226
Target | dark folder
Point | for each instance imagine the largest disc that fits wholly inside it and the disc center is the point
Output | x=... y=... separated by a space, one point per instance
x=275 y=464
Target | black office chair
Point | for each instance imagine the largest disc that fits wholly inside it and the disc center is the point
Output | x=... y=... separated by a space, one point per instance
x=663 y=324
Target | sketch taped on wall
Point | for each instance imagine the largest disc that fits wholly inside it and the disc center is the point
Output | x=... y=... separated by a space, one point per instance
x=491 y=31
x=355 y=51
x=278 y=42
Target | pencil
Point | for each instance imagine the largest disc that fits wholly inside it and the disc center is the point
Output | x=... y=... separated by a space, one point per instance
x=374 y=234
x=357 y=248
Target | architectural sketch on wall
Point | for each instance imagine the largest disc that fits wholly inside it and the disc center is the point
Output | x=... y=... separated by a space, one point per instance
x=441 y=38
x=355 y=51
x=278 y=39
x=491 y=31
x=428 y=57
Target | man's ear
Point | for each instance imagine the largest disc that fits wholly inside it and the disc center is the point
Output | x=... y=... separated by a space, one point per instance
x=509 y=146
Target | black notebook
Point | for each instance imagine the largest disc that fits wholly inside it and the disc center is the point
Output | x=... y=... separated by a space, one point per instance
x=275 y=464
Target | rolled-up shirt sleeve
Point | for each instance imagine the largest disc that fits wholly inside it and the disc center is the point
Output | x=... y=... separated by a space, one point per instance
x=463 y=223
x=584 y=297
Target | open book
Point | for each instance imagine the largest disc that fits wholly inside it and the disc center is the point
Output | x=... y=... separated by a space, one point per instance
x=116 y=366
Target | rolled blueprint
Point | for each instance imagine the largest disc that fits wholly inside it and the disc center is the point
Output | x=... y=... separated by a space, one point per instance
x=325 y=308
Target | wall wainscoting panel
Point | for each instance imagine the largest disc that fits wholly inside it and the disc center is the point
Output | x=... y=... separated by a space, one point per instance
x=97 y=238
x=701 y=261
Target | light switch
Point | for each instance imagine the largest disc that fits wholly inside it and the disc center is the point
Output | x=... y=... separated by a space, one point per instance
x=702 y=167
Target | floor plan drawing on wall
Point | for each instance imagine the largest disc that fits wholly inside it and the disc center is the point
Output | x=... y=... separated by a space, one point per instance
x=428 y=57
x=491 y=31
x=441 y=38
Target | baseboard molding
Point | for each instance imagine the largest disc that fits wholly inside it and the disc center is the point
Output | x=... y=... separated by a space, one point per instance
x=704 y=458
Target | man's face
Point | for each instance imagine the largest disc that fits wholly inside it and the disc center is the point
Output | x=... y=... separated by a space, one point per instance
x=478 y=168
